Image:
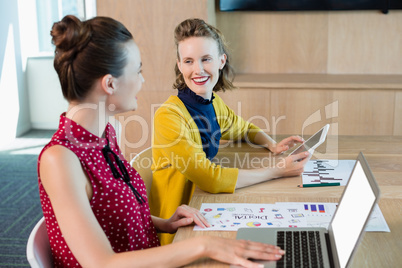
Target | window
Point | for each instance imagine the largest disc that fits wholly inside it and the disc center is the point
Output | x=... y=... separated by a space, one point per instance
x=50 y=11
x=37 y=18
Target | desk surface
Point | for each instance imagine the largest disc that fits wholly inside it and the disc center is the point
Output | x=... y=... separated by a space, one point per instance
x=384 y=155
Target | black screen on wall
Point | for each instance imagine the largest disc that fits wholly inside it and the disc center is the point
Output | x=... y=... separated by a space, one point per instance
x=308 y=5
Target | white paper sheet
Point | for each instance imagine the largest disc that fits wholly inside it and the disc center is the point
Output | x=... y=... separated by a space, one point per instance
x=320 y=215
x=231 y=216
x=327 y=171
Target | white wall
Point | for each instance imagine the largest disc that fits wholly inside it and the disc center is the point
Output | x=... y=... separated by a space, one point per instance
x=46 y=100
x=30 y=94
x=14 y=104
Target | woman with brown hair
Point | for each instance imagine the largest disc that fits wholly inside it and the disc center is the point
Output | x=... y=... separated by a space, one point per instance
x=94 y=203
x=189 y=126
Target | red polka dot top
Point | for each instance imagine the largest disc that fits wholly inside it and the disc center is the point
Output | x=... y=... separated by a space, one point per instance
x=121 y=210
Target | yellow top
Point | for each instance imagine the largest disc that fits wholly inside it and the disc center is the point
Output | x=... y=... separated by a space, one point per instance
x=179 y=162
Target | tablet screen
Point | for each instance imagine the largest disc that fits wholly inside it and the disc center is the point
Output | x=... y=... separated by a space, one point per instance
x=310 y=143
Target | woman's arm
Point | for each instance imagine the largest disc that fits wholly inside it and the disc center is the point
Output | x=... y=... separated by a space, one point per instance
x=289 y=166
x=234 y=127
x=292 y=165
x=67 y=186
x=263 y=139
x=184 y=252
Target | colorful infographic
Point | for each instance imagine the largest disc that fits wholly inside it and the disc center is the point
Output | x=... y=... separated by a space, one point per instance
x=230 y=216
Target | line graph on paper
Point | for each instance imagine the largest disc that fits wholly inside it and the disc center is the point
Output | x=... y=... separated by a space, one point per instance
x=327 y=171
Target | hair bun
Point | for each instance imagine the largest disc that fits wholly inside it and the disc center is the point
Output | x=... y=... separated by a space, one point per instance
x=71 y=36
x=86 y=51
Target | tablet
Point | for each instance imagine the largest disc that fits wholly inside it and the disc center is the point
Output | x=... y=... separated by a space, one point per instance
x=313 y=142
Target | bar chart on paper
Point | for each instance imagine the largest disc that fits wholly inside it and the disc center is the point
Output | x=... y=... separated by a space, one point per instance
x=315 y=208
x=327 y=171
x=320 y=215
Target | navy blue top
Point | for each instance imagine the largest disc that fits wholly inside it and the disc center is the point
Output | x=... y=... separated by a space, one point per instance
x=203 y=113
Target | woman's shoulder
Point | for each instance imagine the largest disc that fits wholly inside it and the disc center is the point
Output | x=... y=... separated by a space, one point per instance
x=172 y=100
x=172 y=105
x=219 y=105
x=218 y=100
x=57 y=154
x=55 y=163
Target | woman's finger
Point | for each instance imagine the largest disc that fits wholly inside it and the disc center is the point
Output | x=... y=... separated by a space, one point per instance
x=243 y=262
x=300 y=156
x=201 y=221
x=260 y=251
x=182 y=222
x=195 y=214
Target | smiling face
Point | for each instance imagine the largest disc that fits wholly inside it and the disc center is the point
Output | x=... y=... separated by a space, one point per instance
x=130 y=83
x=199 y=62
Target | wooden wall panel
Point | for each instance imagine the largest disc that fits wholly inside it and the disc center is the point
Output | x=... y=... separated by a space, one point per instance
x=268 y=42
x=398 y=114
x=303 y=110
x=252 y=105
x=284 y=111
x=365 y=112
x=365 y=42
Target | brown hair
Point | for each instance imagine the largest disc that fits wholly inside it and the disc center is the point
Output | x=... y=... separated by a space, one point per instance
x=86 y=51
x=199 y=28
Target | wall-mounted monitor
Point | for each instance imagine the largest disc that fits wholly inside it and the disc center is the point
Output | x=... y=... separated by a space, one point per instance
x=308 y=5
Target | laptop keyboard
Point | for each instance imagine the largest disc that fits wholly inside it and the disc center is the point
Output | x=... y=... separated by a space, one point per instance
x=303 y=249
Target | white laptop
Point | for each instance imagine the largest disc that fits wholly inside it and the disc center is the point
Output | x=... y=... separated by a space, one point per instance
x=344 y=234
x=313 y=142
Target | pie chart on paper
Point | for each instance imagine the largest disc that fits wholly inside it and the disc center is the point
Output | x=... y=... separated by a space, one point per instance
x=253 y=224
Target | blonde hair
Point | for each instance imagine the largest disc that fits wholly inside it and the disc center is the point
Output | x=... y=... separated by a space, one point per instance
x=199 y=28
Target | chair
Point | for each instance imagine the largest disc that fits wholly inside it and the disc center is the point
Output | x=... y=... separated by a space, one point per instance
x=39 y=254
x=142 y=164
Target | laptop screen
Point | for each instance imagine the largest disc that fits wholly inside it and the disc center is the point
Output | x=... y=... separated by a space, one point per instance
x=352 y=213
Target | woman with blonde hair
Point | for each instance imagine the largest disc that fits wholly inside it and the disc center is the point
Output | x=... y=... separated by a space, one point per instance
x=188 y=127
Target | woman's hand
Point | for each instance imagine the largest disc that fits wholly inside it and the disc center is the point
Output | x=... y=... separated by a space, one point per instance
x=285 y=144
x=237 y=252
x=293 y=165
x=184 y=216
